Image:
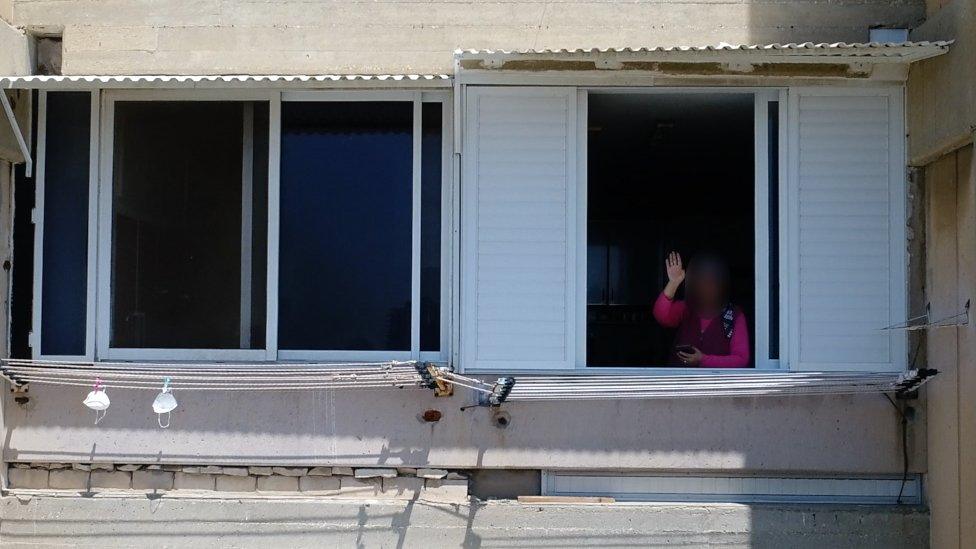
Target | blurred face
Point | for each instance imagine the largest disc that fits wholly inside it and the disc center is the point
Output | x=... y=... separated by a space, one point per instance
x=708 y=290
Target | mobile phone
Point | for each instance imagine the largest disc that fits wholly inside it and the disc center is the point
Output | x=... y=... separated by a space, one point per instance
x=684 y=349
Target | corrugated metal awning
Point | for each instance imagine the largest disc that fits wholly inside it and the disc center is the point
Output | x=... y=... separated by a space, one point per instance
x=808 y=52
x=276 y=81
x=601 y=58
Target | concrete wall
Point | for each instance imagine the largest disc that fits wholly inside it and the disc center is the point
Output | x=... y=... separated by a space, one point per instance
x=951 y=187
x=7 y=10
x=404 y=36
x=169 y=522
x=14 y=60
x=20 y=102
x=941 y=95
x=941 y=120
x=846 y=434
x=14 y=56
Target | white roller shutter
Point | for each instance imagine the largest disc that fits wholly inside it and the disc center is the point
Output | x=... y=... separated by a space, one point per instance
x=847 y=230
x=518 y=192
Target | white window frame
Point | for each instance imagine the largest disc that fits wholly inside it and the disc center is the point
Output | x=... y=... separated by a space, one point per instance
x=417 y=98
x=104 y=313
x=734 y=487
x=100 y=244
x=37 y=216
x=762 y=96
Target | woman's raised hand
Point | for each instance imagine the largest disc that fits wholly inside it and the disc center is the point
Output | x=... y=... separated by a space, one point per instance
x=674 y=267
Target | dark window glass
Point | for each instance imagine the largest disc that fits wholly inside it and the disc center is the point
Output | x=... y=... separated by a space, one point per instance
x=773 y=133
x=188 y=225
x=259 y=224
x=430 y=227
x=64 y=283
x=652 y=188
x=345 y=231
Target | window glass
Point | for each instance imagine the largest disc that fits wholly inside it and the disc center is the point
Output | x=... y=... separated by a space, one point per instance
x=345 y=230
x=64 y=284
x=188 y=225
x=430 y=227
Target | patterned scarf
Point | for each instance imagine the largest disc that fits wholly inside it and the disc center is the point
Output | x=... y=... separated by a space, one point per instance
x=728 y=320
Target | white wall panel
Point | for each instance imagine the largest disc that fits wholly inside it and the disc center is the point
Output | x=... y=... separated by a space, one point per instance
x=734 y=488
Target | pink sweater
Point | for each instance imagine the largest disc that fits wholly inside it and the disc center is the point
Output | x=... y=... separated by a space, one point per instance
x=669 y=313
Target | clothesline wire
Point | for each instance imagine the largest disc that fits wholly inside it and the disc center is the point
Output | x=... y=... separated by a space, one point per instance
x=757 y=384
x=469 y=382
x=227 y=388
x=188 y=376
x=184 y=367
x=207 y=377
x=149 y=376
x=944 y=322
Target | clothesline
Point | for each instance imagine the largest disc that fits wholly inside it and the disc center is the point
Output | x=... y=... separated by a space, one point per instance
x=222 y=377
x=755 y=384
x=422 y=375
x=923 y=321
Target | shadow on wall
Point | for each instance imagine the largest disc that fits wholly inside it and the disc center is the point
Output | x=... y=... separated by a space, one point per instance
x=848 y=434
x=812 y=21
x=299 y=523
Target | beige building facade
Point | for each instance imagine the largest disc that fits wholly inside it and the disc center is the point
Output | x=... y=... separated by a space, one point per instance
x=941 y=121
x=216 y=37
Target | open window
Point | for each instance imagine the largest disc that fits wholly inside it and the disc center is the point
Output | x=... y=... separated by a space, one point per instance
x=575 y=198
x=571 y=198
x=665 y=172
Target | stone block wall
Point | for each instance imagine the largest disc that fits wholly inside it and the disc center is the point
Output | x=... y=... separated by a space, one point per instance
x=435 y=485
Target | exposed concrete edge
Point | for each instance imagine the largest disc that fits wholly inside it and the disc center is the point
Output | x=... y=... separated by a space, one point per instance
x=15 y=59
x=26 y=495
x=948 y=146
x=125 y=521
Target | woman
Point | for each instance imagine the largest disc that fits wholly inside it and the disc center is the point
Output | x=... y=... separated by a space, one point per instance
x=712 y=333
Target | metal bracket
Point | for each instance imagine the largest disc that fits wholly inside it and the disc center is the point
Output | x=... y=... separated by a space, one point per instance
x=431 y=378
x=909 y=388
x=20 y=392
x=427 y=378
x=501 y=391
x=443 y=388
x=17 y=385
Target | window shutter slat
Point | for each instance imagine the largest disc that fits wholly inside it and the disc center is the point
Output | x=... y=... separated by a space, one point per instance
x=848 y=231
x=518 y=228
